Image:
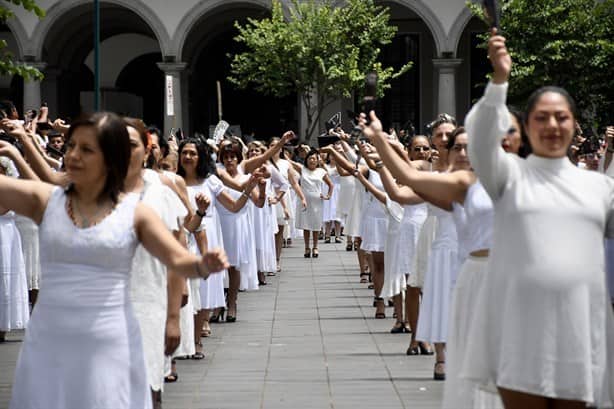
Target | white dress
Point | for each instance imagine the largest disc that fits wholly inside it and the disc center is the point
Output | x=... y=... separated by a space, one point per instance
x=400 y=250
x=149 y=278
x=356 y=200
x=14 y=308
x=211 y=289
x=374 y=223
x=329 y=207
x=265 y=227
x=547 y=326
x=440 y=276
x=311 y=183
x=83 y=345
x=239 y=239
x=474 y=223
x=29 y=244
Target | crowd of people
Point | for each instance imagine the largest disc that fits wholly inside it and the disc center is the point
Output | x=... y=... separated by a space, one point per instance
x=124 y=245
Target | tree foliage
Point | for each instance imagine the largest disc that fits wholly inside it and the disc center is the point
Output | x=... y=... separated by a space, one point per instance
x=569 y=43
x=8 y=66
x=322 y=52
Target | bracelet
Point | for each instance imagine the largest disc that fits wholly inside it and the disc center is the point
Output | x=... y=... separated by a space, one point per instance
x=201 y=215
x=244 y=193
x=379 y=164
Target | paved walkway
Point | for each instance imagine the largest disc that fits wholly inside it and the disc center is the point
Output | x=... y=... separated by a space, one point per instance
x=306 y=340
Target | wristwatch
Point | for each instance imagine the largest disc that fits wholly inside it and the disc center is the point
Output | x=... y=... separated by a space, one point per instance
x=201 y=215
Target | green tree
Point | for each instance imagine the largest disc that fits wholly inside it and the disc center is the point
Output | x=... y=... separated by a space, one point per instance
x=322 y=52
x=8 y=66
x=569 y=43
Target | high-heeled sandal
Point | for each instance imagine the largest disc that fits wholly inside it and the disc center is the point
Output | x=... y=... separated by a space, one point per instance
x=439 y=376
x=198 y=355
x=412 y=351
x=349 y=247
x=424 y=350
x=315 y=253
x=364 y=278
x=307 y=253
x=379 y=301
x=338 y=240
x=327 y=240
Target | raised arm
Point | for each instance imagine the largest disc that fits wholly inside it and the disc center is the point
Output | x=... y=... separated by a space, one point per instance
x=235 y=205
x=489 y=120
x=342 y=161
x=378 y=194
x=251 y=164
x=36 y=160
x=25 y=171
x=440 y=189
x=403 y=195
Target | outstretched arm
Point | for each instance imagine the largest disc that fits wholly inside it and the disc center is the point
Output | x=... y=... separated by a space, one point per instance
x=26 y=197
x=25 y=171
x=378 y=194
x=250 y=165
x=440 y=189
x=403 y=195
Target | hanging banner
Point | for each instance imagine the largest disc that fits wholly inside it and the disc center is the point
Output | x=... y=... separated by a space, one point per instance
x=170 y=98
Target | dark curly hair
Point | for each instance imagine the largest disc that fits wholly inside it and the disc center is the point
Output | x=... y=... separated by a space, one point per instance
x=231 y=148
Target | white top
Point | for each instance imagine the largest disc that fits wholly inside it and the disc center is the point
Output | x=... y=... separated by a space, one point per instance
x=546 y=283
x=474 y=221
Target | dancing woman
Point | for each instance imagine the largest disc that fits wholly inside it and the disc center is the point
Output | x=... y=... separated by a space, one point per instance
x=84 y=315
x=309 y=219
x=547 y=267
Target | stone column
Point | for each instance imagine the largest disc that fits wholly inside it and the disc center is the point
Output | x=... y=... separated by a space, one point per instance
x=174 y=70
x=32 y=89
x=446 y=97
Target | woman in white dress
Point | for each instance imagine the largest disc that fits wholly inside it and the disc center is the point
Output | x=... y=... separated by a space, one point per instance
x=155 y=292
x=14 y=310
x=329 y=212
x=265 y=218
x=310 y=219
x=84 y=315
x=374 y=223
x=285 y=209
x=545 y=334
x=238 y=226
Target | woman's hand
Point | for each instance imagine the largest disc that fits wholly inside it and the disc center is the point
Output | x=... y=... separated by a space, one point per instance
x=374 y=131
x=287 y=137
x=304 y=204
x=14 y=129
x=273 y=200
x=60 y=126
x=324 y=197
x=499 y=58
x=213 y=261
x=202 y=202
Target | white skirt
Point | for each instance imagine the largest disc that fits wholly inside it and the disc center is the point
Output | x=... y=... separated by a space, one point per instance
x=423 y=252
x=557 y=343
x=329 y=207
x=310 y=218
x=436 y=298
x=29 y=244
x=353 y=219
x=14 y=308
x=264 y=229
x=609 y=255
x=373 y=231
x=460 y=393
x=186 y=322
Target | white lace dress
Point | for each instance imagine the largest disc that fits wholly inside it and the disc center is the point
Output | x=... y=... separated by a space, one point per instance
x=14 y=309
x=83 y=345
x=149 y=279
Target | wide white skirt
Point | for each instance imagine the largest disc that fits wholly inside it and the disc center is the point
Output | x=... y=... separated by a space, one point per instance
x=436 y=298
x=265 y=227
x=354 y=207
x=459 y=393
x=373 y=231
x=541 y=339
x=14 y=308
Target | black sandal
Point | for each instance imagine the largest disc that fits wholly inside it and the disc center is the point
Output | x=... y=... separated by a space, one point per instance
x=172 y=377
x=198 y=355
x=307 y=253
x=315 y=253
x=439 y=376
x=327 y=240
x=349 y=247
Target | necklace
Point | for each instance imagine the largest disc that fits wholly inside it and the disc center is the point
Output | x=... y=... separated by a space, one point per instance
x=85 y=221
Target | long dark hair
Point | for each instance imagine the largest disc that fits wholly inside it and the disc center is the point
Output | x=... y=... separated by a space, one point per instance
x=205 y=166
x=114 y=143
x=525 y=148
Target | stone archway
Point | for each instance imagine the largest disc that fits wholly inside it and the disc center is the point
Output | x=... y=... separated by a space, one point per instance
x=205 y=48
x=67 y=48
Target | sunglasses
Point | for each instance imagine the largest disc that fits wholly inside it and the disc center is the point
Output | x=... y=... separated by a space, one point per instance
x=421 y=148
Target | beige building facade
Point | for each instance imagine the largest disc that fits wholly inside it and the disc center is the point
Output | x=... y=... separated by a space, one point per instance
x=146 y=43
